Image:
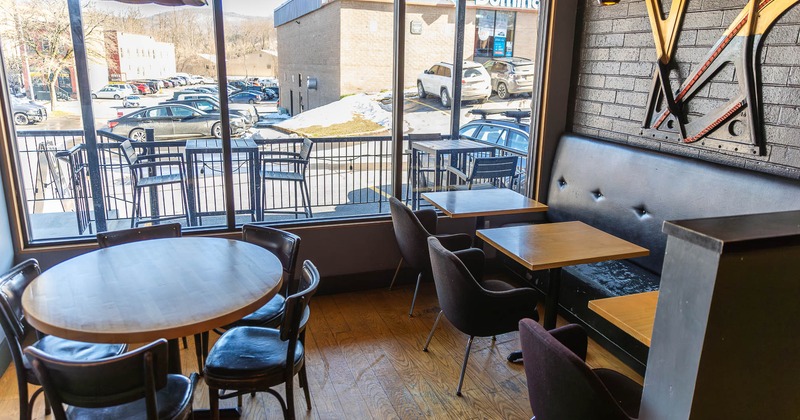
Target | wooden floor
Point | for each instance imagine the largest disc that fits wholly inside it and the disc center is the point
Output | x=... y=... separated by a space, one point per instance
x=365 y=360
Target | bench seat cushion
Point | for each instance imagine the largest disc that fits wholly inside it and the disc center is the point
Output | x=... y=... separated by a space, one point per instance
x=615 y=278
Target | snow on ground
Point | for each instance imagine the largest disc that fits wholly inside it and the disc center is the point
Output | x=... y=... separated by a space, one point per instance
x=341 y=111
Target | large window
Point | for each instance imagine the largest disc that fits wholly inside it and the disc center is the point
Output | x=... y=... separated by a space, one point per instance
x=494 y=33
x=290 y=134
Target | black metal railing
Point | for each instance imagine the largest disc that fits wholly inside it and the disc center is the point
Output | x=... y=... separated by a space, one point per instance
x=343 y=173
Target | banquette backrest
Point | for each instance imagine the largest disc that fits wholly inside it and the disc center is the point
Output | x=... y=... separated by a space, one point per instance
x=629 y=192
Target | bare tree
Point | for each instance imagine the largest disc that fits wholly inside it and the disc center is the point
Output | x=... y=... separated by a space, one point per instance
x=42 y=28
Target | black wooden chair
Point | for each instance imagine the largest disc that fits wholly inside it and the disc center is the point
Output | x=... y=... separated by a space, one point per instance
x=170 y=230
x=154 y=171
x=16 y=330
x=255 y=359
x=562 y=386
x=494 y=171
x=277 y=167
x=124 y=236
x=412 y=229
x=477 y=308
x=120 y=387
x=285 y=246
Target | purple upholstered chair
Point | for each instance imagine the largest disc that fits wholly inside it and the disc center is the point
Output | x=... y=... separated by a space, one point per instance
x=562 y=386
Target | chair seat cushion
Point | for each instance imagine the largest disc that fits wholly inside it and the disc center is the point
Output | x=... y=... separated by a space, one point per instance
x=174 y=402
x=72 y=350
x=159 y=180
x=616 y=278
x=269 y=315
x=625 y=390
x=286 y=176
x=252 y=355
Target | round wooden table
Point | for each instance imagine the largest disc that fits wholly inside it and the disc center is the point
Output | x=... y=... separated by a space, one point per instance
x=143 y=291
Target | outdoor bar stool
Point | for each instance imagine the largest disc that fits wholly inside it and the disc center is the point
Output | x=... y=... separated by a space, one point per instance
x=278 y=167
x=498 y=171
x=154 y=171
x=16 y=329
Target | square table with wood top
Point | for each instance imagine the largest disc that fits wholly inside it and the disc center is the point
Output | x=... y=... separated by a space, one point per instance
x=552 y=246
x=481 y=203
x=633 y=314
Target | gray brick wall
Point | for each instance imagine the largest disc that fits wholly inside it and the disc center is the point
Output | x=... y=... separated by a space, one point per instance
x=614 y=74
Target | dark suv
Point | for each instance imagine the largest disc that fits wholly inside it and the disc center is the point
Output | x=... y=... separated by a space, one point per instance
x=510 y=75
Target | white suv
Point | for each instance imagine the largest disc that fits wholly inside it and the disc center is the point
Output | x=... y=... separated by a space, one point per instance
x=476 y=84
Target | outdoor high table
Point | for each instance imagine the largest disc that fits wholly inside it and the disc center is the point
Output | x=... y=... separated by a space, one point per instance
x=456 y=149
x=142 y=291
x=198 y=152
x=555 y=245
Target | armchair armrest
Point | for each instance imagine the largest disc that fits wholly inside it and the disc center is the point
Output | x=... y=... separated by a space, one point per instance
x=573 y=337
x=161 y=155
x=283 y=160
x=455 y=241
x=457 y=172
x=156 y=164
x=279 y=153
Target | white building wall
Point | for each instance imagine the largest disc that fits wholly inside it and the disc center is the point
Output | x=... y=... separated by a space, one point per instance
x=141 y=56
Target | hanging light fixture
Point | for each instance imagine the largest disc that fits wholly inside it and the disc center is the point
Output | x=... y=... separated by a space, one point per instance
x=607 y=2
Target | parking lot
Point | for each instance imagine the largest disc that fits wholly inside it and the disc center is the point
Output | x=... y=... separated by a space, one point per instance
x=420 y=115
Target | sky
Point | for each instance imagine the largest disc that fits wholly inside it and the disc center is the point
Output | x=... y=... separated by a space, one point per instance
x=262 y=8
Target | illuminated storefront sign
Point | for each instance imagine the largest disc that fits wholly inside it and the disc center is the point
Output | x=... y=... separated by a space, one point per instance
x=509 y=4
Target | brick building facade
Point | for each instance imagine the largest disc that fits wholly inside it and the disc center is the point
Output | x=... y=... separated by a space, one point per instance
x=346 y=45
x=614 y=73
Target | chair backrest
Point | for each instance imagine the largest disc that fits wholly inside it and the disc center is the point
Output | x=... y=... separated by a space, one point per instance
x=103 y=383
x=131 y=157
x=124 y=236
x=296 y=305
x=283 y=245
x=493 y=168
x=305 y=149
x=560 y=384
x=12 y=318
x=464 y=302
x=412 y=229
x=128 y=152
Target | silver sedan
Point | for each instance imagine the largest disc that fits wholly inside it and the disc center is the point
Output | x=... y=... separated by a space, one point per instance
x=173 y=122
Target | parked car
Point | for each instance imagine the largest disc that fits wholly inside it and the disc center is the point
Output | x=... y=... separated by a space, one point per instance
x=172 y=121
x=475 y=82
x=112 y=92
x=510 y=76
x=210 y=105
x=245 y=97
x=132 y=101
x=511 y=134
x=248 y=110
x=27 y=112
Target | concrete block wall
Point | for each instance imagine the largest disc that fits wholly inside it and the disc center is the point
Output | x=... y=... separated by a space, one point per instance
x=311 y=48
x=615 y=63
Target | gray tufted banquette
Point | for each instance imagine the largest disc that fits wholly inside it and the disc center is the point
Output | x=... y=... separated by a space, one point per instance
x=630 y=192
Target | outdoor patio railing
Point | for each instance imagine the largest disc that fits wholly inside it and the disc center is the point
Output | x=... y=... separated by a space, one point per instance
x=346 y=176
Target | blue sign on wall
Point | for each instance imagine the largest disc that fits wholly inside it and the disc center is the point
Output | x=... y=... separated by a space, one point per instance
x=499 y=46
